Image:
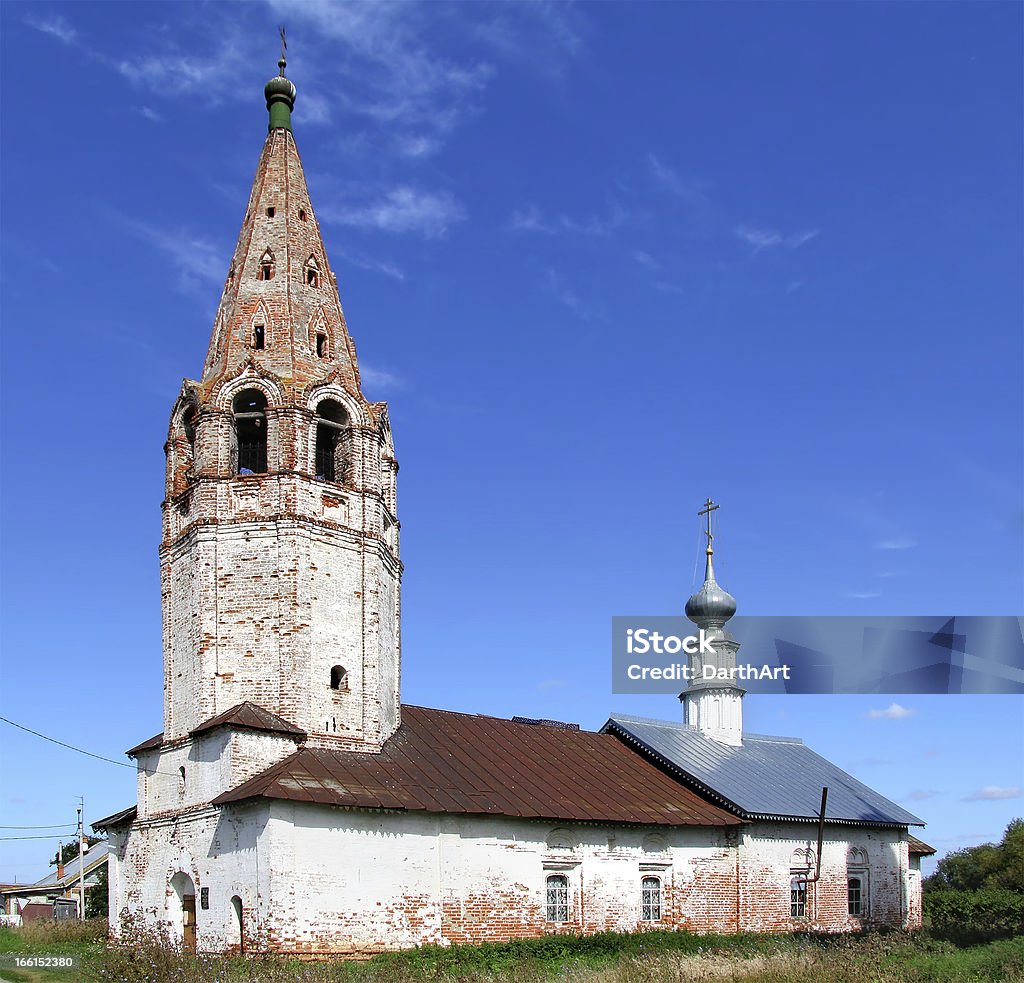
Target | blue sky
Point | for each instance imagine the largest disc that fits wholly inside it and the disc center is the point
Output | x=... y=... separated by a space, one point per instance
x=603 y=261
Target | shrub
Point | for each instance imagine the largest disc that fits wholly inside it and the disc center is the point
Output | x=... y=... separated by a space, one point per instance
x=970 y=917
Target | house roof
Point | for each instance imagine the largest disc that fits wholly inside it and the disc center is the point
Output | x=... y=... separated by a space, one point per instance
x=94 y=856
x=154 y=742
x=123 y=818
x=249 y=716
x=765 y=778
x=244 y=716
x=919 y=848
x=439 y=761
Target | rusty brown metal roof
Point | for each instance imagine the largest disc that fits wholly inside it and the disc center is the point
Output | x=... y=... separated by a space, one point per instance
x=123 y=818
x=154 y=742
x=249 y=716
x=440 y=761
x=919 y=847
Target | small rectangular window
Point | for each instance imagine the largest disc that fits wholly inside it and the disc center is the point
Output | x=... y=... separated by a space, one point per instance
x=270 y=212
x=321 y=345
x=853 y=890
x=258 y=339
x=798 y=897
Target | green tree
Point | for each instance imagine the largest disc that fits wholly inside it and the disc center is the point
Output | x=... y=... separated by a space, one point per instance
x=68 y=851
x=97 y=897
x=990 y=865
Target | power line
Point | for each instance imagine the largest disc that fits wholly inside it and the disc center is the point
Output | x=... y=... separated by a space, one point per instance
x=52 y=836
x=70 y=747
x=53 y=826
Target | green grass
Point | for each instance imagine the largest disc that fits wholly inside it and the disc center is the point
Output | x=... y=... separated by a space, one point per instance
x=648 y=957
x=69 y=938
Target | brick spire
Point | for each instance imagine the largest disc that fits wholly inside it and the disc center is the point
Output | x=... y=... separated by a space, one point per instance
x=280 y=306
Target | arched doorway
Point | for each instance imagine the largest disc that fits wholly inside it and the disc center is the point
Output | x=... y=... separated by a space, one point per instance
x=236 y=904
x=183 y=904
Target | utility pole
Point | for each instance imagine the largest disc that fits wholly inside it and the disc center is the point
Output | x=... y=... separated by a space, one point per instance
x=81 y=859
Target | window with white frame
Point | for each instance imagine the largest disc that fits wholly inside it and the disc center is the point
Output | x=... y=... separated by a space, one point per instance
x=650 y=899
x=854 y=892
x=798 y=896
x=557 y=904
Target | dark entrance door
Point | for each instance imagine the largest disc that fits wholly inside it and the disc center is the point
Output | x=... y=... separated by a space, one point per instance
x=188 y=911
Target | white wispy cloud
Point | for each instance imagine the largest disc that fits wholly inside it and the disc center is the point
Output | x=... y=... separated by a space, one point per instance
x=313 y=108
x=383 y=266
x=566 y=295
x=416 y=144
x=149 y=113
x=668 y=179
x=531 y=219
x=400 y=210
x=921 y=794
x=390 y=74
x=863 y=595
x=892 y=712
x=546 y=684
x=379 y=378
x=760 y=239
x=216 y=72
x=646 y=259
x=995 y=793
x=55 y=25
x=896 y=543
x=542 y=34
x=198 y=261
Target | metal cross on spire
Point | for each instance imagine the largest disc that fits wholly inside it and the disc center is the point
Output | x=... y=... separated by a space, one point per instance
x=709 y=507
x=284 y=49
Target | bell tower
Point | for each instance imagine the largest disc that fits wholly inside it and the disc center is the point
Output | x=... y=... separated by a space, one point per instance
x=280 y=568
x=714 y=706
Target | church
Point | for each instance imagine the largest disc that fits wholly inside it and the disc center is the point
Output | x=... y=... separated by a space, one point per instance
x=292 y=803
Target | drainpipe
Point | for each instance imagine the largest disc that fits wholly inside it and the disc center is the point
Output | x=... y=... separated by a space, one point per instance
x=821 y=834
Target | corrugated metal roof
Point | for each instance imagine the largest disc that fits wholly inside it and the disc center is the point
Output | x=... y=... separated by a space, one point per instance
x=919 y=847
x=154 y=742
x=766 y=777
x=123 y=818
x=94 y=855
x=439 y=761
x=249 y=716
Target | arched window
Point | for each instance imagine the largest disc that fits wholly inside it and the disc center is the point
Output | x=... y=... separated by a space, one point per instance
x=339 y=678
x=312 y=271
x=188 y=425
x=857 y=857
x=650 y=899
x=331 y=427
x=236 y=904
x=249 y=409
x=556 y=908
x=181 y=779
x=561 y=840
x=802 y=858
x=266 y=266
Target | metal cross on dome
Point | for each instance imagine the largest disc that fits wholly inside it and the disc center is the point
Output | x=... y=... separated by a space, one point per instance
x=709 y=507
x=284 y=49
